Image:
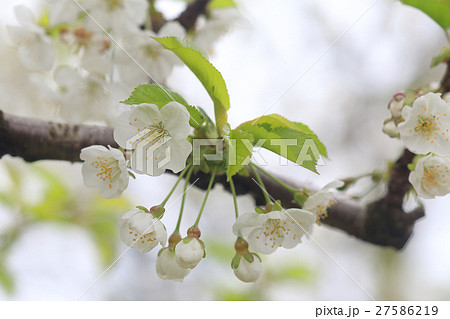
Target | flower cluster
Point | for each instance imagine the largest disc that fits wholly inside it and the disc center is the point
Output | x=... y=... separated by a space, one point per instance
x=424 y=130
x=155 y=140
x=262 y=231
x=86 y=55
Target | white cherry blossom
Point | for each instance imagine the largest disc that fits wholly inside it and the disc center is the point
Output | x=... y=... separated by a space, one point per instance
x=158 y=137
x=167 y=266
x=431 y=176
x=87 y=97
x=35 y=47
x=120 y=17
x=104 y=169
x=216 y=26
x=152 y=59
x=64 y=11
x=141 y=230
x=426 y=126
x=266 y=232
x=319 y=202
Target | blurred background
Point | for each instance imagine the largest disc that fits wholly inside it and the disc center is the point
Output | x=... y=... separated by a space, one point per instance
x=58 y=237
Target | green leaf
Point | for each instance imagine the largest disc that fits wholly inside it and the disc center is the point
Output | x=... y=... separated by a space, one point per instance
x=239 y=147
x=208 y=75
x=292 y=140
x=438 y=10
x=155 y=94
x=6 y=280
x=443 y=57
x=221 y=4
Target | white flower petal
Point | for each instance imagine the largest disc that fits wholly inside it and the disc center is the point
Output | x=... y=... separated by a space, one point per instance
x=248 y=272
x=188 y=255
x=168 y=268
x=426 y=126
x=246 y=223
x=177 y=123
x=104 y=169
x=178 y=153
x=260 y=242
x=24 y=15
x=431 y=176
x=142 y=231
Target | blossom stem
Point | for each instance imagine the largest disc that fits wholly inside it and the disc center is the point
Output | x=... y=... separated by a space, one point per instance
x=211 y=181
x=289 y=188
x=233 y=191
x=261 y=184
x=175 y=186
x=183 y=199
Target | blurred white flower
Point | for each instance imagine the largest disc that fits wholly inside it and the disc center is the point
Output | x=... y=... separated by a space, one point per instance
x=104 y=169
x=64 y=11
x=150 y=56
x=141 y=230
x=390 y=128
x=431 y=176
x=247 y=271
x=266 y=232
x=120 y=17
x=88 y=98
x=426 y=126
x=152 y=128
x=35 y=47
x=216 y=25
x=167 y=266
x=189 y=252
x=319 y=202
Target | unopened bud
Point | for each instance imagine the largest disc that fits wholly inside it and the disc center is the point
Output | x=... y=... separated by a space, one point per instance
x=390 y=129
x=194 y=232
x=157 y=211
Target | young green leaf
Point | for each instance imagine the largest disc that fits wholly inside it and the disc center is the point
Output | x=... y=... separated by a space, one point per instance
x=155 y=94
x=208 y=75
x=221 y=4
x=443 y=57
x=6 y=280
x=438 y=10
x=292 y=140
x=239 y=147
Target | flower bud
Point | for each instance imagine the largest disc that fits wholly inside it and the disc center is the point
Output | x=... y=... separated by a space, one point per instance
x=390 y=129
x=157 y=211
x=189 y=252
x=396 y=104
x=247 y=268
x=167 y=266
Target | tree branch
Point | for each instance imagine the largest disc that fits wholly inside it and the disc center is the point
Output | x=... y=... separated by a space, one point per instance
x=189 y=16
x=382 y=223
x=35 y=140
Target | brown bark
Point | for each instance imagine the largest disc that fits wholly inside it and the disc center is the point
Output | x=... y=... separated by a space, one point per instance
x=382 y=223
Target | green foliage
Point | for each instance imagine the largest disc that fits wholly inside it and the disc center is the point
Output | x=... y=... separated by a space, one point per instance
x=221 y=4
x=438 y=10
x=239 y=149
x=56 y=203
x=291 y=273
x=155 y=94
x=6 y=280
x=301 y=145
x=208 y=75
x=443 y=57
